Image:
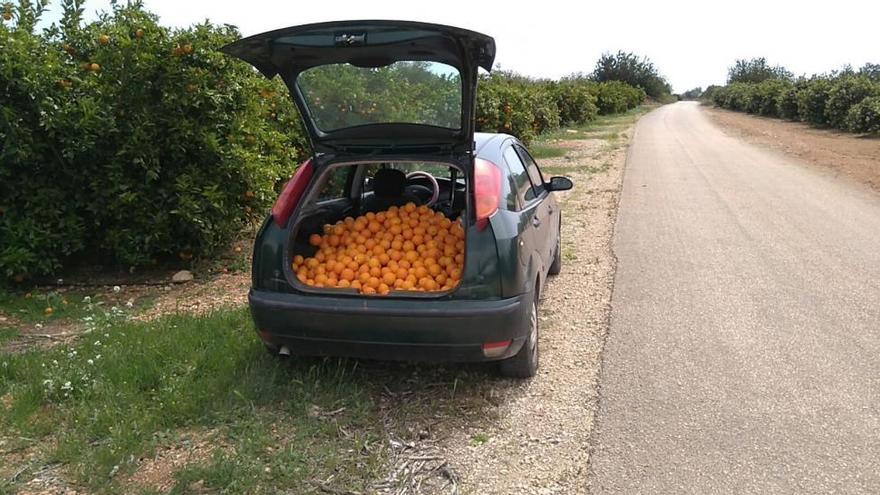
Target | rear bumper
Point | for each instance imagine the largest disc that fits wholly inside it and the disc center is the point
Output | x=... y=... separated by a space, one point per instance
x=388 y=329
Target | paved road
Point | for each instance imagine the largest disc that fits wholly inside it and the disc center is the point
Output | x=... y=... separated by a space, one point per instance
x=744 y=349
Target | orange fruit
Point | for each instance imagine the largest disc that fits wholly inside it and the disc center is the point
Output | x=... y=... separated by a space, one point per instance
x=427 y=283
x=315 y=240
x=104 y=39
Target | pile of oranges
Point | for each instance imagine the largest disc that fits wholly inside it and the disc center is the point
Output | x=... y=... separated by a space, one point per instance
x=408 y=248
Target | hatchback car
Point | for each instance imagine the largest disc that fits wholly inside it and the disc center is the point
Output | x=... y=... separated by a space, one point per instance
x=406 y=235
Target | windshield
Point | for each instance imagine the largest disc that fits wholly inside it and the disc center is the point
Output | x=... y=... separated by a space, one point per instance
x=405 y=92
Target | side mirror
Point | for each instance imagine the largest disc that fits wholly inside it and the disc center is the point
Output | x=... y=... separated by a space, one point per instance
x=559 y=184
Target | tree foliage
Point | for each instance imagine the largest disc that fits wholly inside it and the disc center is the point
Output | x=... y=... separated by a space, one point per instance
x=755 y=70
x=126 y=142
x=634 y=70
x=692 y=94
x=844 y=99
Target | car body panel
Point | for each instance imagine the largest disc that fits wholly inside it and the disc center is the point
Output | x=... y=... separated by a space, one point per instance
x=382 y=328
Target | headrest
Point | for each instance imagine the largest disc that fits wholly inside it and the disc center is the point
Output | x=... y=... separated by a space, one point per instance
x=389 y=183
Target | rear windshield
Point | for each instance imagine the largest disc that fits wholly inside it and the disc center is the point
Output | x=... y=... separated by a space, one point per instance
x=343 y=95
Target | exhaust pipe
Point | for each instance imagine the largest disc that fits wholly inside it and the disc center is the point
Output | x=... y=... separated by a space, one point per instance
x=284 y=351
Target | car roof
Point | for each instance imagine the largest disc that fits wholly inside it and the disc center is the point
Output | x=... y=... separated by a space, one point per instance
x=482 y=139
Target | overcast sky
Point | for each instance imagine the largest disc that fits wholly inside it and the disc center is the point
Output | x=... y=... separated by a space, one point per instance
x=691 y=42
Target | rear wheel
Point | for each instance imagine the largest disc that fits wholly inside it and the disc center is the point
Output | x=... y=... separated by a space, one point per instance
x=525 y=363
x=556 y=266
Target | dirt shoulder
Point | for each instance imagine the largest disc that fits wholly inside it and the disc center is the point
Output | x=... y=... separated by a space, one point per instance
x=533 y=437
x=849 y=155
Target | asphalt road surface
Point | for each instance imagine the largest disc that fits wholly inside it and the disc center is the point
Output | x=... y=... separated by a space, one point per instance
x=744 y=348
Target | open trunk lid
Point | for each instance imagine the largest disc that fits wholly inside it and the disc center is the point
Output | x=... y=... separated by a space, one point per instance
x=377 y=86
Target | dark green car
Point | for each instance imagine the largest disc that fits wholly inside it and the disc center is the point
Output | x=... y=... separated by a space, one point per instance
x=389 y=109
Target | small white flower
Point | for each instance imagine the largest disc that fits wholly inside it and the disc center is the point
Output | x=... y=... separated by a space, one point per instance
x=90 y=361
x=87 y=299
x=129 y=303
x=97 y=357
x=116 y=288
x=55 y=362
x=97 y=342
x=39 y=325
x=67 y=386
x=47 y=383
x=60 y=281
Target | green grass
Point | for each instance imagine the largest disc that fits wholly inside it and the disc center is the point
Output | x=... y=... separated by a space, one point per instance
x=127 y=389
x=479 y=439
x=31 y=307
x=604 y=127
x=539 y=151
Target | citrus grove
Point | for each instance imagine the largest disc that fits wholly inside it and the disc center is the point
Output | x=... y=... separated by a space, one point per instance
x=408 y=248
x=126 y=143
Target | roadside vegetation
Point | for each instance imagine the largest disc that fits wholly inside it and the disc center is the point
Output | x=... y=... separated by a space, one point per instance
x=846 y=99
x=131 y=145
x=188 y=404
x=128 y=144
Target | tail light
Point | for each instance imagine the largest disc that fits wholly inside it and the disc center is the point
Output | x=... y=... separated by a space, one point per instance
x=292 y=193
x=487 y=190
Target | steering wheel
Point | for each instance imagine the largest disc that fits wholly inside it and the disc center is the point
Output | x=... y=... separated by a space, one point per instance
x=434 y=190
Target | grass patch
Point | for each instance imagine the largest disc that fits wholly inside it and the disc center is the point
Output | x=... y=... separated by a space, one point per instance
x=122 y=391
x=8 y=333
x=546 y=151
x=604 y=125
x=46 y=306
x=479 y=439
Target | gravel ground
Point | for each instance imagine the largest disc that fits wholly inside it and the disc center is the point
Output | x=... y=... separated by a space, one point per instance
x=838 y=153
x=544 y=423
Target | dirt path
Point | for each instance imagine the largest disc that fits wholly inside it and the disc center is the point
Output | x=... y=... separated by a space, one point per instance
x=534 y=437
x=855 y=157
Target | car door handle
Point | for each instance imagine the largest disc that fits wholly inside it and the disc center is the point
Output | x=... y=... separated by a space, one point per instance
x=536 y=222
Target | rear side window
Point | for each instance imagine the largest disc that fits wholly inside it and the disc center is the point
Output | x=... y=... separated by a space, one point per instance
x=534 y=172
x=334 y=184
x=520 y=185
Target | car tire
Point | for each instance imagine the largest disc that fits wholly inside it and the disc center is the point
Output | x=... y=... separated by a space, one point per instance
x=525 y=363
x=556 y=266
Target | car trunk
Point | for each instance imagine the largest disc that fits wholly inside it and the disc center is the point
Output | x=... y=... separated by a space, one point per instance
x=380 y=229
x=374 y=89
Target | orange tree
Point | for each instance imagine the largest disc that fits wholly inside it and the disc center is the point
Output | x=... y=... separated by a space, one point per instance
x=126 y=140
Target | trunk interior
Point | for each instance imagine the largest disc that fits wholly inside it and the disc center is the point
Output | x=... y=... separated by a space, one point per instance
x=381 y=229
